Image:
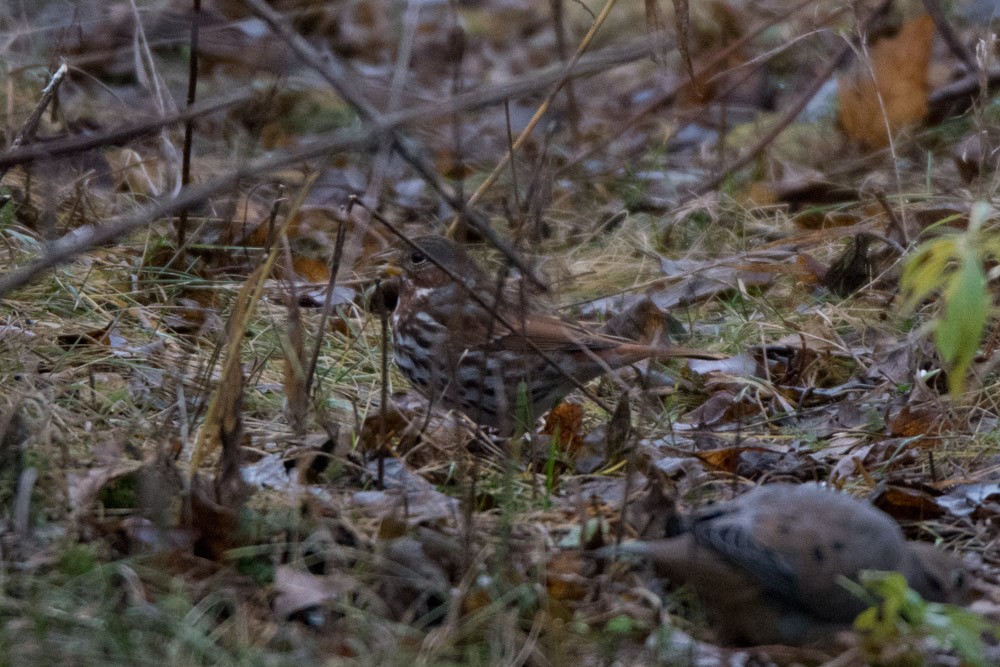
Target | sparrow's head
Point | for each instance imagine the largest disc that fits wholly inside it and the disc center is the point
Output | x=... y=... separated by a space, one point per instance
x=422 y=262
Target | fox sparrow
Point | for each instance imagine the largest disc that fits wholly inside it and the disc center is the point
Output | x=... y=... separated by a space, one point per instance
x=473 y=347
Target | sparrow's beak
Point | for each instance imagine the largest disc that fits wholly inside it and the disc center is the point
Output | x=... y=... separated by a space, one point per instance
x=389 y=263
x=385 y=297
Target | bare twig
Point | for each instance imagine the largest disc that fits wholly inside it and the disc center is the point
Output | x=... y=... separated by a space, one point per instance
x=27 y=131
x=74 y=145
x=338 y=253
x=955 y=45
x=86 y=238
x=966 y=87
x=559 y=27
x=192 y=95
x=383 y=407
x=339 y=77
x=895 y=224
x=789 y=116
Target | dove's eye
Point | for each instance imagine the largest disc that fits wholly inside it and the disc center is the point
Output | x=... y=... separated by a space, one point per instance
x=417 y=258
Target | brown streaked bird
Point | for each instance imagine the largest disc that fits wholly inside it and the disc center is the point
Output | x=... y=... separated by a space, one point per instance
x=465 y=355
x=769 y=564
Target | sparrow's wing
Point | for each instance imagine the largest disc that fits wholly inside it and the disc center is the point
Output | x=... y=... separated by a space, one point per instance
x=551 y=334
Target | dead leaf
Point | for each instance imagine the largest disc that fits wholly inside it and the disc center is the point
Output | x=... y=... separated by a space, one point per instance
x=616 y=441
x=721 y=406
x=694 y=281
x=100 y=336
x=84 y=487
x=918 y=420
x=799 y=189
x=727 y=459
x=977 y=501
x=975 y=155
x=413 y=585
x=897 y=95
x=853 y=269
x=908 y=503
x=642 y=321
x=565 y=421
x=568 y=575
x=407 y=496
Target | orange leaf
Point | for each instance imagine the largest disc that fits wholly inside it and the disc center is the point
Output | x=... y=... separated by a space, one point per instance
x=313 y=270
x=897 y=95
x=566 y=419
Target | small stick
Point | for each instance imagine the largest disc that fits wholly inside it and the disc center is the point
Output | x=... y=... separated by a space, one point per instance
x=626 y=490
x=120 y=135
x=544 y=106
x=955 y=45
x=338 y=253
x=27 y=131
x=894 y=222
x=559 y=27
x=192 y=95
x=513 y=168
x=383 y=409
x=779 y=127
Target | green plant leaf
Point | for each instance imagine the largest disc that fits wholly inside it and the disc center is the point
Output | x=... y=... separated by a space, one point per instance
x=901 y=612
x=927 y=270
x=961 y=326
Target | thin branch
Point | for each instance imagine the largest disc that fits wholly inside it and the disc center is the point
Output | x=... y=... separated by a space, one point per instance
x=789 y=116
x=965 y=88
x=955 y=45
x=340 y=79
x=27 y=131
x=192 y=95
x=338 y=253
x=86 y=238
x=120 y=135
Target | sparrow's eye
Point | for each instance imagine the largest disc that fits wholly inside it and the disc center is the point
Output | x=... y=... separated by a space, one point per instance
x=417 y=258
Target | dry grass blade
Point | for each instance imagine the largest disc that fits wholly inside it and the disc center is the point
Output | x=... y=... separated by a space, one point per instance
x=327 y=307
x=343 y=506
x=221 y=404
x=544 y=106
x=296 y=393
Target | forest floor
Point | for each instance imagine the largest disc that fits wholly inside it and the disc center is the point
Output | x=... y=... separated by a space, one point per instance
x=206 y=453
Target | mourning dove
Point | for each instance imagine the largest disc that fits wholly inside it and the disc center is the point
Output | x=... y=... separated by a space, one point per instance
x=769 y=564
